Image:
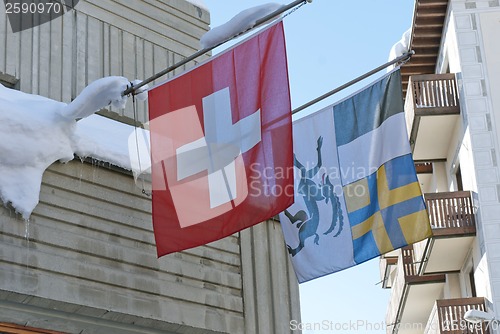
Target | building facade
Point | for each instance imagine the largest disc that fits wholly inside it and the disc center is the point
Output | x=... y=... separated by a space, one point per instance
x=452 y=105
x=86 y=261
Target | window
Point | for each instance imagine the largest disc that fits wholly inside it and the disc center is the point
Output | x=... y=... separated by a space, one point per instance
x=472 y=283
x=458 y=175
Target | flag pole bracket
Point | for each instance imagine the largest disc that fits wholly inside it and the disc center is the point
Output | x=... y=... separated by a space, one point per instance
x=261 y=21
x=401 y=59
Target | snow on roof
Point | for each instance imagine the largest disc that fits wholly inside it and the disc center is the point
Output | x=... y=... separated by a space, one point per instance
x=199 y=3
x=240 y=23
x=36 y=131
x=114 y=142
x=400 y=48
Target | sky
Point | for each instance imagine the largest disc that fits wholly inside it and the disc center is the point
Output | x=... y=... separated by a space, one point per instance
x=328 y=44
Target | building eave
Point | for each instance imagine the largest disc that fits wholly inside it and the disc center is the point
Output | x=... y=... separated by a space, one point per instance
x=428 y=21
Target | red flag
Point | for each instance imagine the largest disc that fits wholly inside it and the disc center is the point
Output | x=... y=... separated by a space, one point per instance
x=221 y=143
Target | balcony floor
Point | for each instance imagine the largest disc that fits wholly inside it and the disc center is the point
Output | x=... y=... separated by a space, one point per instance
x=419 y=303
x=432 y=141
x=439 y=257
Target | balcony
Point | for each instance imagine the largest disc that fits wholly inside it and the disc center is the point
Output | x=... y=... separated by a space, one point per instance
x=412 y=295
x=388 y=266
x=448 y=317
x=453 y=224
x=454 y=228
x=432 y=112
x=417 y=276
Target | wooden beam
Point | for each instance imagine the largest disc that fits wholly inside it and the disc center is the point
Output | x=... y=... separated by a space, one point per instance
x=18 y=329
x=424 y=168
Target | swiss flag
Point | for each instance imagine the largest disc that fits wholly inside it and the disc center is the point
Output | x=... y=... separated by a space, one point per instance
x=221 y=144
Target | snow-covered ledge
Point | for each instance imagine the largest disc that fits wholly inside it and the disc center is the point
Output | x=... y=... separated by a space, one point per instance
x=8 y=80
x=240 y=23
x=36 y=131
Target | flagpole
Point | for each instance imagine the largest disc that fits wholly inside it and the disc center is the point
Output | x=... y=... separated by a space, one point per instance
x=205 y=50
x=352 y=82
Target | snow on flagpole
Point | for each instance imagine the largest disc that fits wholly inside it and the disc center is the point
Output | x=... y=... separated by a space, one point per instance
x=201 y=52
x=401 y=58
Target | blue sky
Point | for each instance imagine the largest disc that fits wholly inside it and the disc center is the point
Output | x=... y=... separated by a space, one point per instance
x=328 y=44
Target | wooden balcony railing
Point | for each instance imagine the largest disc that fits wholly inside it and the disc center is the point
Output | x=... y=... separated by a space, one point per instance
x=430 y=95
x=436 y=93
x=409 y=266
x=450 y=315
x=451 y=212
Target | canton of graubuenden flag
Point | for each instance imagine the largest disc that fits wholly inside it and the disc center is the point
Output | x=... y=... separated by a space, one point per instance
x=356 y=191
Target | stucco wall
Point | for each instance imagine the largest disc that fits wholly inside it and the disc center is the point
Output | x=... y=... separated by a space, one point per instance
x=475 y=34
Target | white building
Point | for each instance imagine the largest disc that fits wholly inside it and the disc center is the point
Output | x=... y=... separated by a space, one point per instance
x=86 y=261
x=453 y=113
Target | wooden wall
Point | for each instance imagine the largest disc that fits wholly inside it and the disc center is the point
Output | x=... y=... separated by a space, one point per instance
x=89 y=249
x=86 y=261
x=99 y=38
x=90 y=243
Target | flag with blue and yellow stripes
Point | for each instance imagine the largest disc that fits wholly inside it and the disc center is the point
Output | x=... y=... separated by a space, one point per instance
x=356 y=191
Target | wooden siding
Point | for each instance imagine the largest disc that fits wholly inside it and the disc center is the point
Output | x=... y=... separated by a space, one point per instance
x=90 y=243
x=100 y=38
x=270 y=288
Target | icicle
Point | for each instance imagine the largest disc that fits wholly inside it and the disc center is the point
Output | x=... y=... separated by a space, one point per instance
x=94 y=169
x=27 y=230
x=27 y=238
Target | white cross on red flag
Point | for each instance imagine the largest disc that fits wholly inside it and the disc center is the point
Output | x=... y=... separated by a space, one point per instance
x=221 y=144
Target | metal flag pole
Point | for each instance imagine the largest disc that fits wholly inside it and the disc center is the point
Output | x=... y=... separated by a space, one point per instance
x=205 y=50
x=352 y=82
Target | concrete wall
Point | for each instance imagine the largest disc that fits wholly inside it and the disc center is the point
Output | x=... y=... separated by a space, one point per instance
x=86 y=261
